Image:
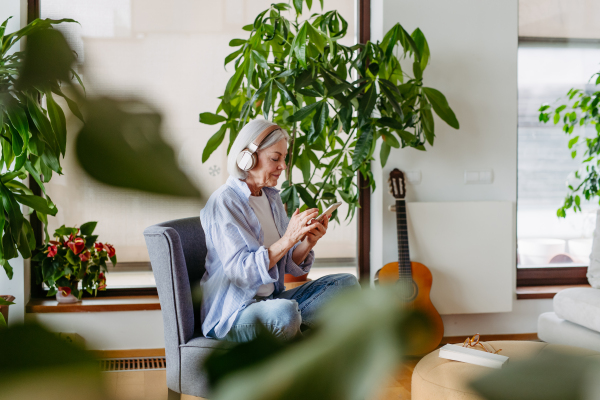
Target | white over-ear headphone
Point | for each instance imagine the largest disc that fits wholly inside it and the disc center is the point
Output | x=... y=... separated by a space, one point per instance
x=247 y=159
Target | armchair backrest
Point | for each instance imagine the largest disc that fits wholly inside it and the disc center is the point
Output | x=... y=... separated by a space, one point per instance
x=177 y=252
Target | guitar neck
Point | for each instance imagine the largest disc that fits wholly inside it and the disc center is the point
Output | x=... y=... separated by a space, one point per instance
x=404 y=266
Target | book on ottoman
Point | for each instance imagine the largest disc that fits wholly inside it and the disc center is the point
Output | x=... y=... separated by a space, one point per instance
x=472 y=356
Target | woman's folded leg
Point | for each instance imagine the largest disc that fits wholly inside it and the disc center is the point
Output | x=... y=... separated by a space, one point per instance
x=314 y=294
x=280 y=316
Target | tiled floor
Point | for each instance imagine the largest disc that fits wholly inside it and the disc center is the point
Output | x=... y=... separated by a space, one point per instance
x=151 y=385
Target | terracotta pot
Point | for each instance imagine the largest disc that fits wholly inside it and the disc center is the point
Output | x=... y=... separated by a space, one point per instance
x=4 y=309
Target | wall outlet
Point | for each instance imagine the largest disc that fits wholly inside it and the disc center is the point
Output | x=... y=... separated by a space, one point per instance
x=483 y=176
x=73 y=338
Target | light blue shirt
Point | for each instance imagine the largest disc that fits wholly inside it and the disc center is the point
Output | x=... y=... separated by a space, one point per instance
x=237 y=263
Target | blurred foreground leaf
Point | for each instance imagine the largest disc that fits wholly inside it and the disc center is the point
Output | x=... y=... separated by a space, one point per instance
x=358 y=343
x=48 y=58
x=37 y=364
x=120 y=145
x=549 y=376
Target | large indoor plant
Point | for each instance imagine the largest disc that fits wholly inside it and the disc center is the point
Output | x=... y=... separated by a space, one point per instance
x=336 y=101
x=74 y=256
x=33 y=132
x=579 y=108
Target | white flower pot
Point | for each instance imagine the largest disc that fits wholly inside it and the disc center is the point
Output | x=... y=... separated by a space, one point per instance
x=539 y=251
x=66 y=299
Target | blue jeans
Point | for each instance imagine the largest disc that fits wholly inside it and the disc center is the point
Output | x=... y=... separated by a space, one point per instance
x=283 y=314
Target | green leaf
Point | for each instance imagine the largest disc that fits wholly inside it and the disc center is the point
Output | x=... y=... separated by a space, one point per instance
x=15 y=217
x=390 y=123
x=366 y=105
x=303 y=163
x=72 y=104
x=232 y=56
x=390 y=96
x=440 y=106
x=120 y=145
x=267 y=101
x=17 y=142
x=72 y=258
x=42 y=124
x=303 y=112
x=316 y=38
x=48 y=58
x=428 y=126
x=573 y=141
x=298 y=6
x=17 y=117
x=248 y=28
x=88 y=228
x=318 y=122
x=37 y=203
x=7 y=268
x=384 y=153
x=363 y=146
x=237 y=42
x=287 y=93
x=299 y=44
x=423 y=47
x=346 y=117
x=211 y=119
x=306 y=197
x=260 y=60
x=58 y=121
x=390 y=139
x=214 y=142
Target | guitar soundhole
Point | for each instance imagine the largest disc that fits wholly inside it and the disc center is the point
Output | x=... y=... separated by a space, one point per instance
x=408 y=290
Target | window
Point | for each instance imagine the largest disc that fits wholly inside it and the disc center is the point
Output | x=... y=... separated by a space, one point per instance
x=170 y=54
x=559 y=49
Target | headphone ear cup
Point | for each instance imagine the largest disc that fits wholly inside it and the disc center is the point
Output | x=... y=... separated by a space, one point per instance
x=246 y=160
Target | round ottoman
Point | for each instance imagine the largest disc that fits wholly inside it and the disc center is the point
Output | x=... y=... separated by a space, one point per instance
x=438 y=378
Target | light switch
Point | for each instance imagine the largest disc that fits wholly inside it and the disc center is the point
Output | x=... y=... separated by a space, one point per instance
x=484 y=176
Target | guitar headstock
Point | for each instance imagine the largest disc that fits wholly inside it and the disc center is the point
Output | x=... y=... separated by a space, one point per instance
x=397 y=184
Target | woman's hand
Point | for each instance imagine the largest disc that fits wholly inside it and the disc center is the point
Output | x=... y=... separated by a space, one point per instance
x=299 y=225
x=321 y=229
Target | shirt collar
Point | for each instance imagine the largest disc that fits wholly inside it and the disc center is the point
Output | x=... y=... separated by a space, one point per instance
x=241 y=187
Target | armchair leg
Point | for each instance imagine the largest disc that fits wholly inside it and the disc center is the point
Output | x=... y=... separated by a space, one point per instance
x=173 y=395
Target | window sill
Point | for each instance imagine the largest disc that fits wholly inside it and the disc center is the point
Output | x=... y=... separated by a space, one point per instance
x=129 y=303
x=543 y=292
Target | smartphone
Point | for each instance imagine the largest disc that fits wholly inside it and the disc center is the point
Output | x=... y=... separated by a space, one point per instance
x=329 y=211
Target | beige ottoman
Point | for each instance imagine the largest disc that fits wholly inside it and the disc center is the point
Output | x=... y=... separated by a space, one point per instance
x=438 y=378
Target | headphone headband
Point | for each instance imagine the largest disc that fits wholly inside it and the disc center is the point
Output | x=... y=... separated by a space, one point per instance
x=256 y=143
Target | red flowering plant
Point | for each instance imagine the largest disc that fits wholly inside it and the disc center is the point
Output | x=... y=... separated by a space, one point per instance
x=74 y=256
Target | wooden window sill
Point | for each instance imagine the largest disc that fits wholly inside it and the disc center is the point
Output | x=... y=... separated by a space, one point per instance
x=543 y=292
x=106 y=304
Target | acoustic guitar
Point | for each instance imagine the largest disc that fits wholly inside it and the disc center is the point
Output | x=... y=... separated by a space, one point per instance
x=414 y=278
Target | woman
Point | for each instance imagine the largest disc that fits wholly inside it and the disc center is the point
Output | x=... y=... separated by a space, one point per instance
x=251 y=245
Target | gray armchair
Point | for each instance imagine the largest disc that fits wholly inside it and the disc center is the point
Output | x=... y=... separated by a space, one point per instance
x=177 y=252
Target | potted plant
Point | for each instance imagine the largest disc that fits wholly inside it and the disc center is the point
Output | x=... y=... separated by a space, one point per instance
x=74 y=256
x=336 y=101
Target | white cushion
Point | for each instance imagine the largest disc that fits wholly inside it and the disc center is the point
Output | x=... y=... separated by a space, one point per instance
x=552 y=329
x=580 y=306
x=593 y=272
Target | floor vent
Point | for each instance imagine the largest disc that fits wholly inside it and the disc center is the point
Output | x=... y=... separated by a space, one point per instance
x=133 y=364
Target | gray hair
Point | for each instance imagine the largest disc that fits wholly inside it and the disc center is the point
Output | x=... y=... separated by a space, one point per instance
x=249 y=132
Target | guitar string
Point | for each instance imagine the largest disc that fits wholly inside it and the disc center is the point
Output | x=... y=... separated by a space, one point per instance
x=405 y=267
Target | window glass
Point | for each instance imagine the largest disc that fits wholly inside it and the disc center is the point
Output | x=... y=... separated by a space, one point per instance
x=559 y=49
x=171 y=55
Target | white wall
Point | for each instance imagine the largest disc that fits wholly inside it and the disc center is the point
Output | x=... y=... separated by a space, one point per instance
x=474 y=63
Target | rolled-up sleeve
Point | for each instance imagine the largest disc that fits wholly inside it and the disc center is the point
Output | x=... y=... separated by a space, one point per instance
x=297 y=270
x=245 y=262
